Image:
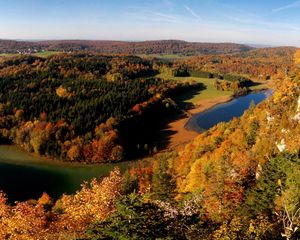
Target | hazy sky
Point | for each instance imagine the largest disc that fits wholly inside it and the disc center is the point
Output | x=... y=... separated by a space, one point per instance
x=275 y=22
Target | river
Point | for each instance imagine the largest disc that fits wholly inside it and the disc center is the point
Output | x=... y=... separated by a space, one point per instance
x=24 y=176
x=224 y=112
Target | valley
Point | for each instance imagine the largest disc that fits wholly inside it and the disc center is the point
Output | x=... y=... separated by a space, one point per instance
x=90 y=139
x=149 y=120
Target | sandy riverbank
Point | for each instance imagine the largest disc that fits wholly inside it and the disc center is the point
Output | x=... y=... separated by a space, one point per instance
x=182 y=135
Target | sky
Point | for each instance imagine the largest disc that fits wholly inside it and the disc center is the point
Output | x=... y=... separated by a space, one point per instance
x=269 y=22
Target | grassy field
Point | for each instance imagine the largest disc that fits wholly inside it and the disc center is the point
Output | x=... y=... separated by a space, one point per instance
x=39 y=54
x=259 y=87
x=209 y=91
x=46 y=54
x=194 y=97
x=8 y=54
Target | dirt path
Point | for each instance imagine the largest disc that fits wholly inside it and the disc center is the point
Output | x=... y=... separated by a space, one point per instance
x=182 y=136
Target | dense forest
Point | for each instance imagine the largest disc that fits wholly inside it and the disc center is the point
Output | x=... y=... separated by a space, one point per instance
x=235 y=72
x=82 y=107
x=118 y=47
x=238 y=180
x=258 y=64
x=103 y=108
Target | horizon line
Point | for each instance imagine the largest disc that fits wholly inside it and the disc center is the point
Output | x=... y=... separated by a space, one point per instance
x=144 y=40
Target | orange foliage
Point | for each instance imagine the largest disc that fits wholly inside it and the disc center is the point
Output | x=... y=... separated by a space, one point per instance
x=69 y=217
x=220 y=161
x=259 y=64
x=44 y=199
x=94 y=202
x=144 y=176
x=74 y=153
x=24 y=221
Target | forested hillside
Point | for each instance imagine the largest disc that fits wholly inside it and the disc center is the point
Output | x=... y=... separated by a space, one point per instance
x=103 y=108
x=226 y=160
x=238 y=180
x=119 y=47
x=82 y=107
x=258 y=64
x=234 y=72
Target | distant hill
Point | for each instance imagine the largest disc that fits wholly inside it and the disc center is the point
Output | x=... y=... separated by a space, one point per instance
x=260 y=45
x=120 y=47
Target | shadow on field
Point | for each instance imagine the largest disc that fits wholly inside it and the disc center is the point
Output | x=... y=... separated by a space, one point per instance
x=150 y=132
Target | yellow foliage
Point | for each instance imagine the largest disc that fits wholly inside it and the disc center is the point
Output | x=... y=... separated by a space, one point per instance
x=25 y=222
x=93 y=203
x=229 y=231
x=71 y=214
x=73 y=153
x=196 y=178
x=220 y=160
x=62 y=92
x=297 y=57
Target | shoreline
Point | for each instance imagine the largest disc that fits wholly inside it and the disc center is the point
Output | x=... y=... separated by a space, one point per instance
x=34 y=159
x=182 y=135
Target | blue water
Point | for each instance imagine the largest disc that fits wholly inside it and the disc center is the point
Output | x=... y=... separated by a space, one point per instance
x=224 y=112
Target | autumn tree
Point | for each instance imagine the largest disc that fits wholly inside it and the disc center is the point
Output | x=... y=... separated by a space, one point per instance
x=94 y=202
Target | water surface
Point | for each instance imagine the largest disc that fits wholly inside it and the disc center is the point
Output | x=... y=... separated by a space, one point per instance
x=24 y=176
x=225 y=112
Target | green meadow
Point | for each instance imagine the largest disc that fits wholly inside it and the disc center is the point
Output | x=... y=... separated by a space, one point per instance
x=207 y=92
